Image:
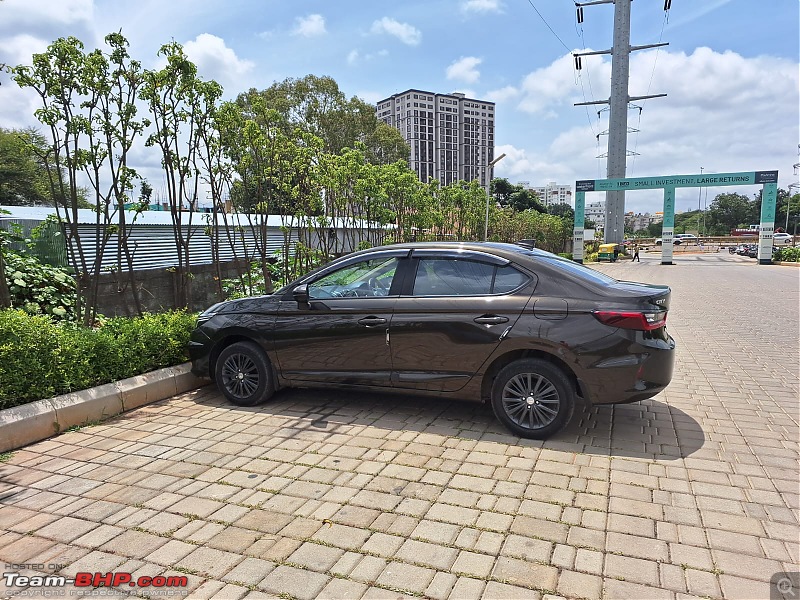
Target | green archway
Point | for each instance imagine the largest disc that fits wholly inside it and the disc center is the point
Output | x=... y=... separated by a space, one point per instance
x=769 y=180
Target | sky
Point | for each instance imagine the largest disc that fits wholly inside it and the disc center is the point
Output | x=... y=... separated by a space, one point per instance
x=730 y=72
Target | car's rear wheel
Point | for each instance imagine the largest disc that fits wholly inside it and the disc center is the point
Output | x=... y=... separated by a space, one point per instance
x=244 y=374
x=533 y=398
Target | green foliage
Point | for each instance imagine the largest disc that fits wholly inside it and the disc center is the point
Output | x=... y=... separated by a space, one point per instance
x=38 y=288
x=787 y=254
x=40 y=358
x=550 y=232
x=23 y=169
x=316 y=105
x=515 y=196
x=251 y=283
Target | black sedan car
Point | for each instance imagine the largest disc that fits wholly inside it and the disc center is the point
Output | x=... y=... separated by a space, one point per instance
x=520 y=328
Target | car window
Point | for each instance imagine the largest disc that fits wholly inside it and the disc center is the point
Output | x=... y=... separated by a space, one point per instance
x=455 y=277
x=368 y=278
x=507 y=279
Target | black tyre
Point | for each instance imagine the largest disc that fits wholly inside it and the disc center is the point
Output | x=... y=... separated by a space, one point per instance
x=533 y=398
x=244 y=374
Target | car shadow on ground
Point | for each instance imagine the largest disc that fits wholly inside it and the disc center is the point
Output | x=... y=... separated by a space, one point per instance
x=649 y=429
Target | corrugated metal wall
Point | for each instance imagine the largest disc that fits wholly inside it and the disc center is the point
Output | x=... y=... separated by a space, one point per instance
x=49 y=247
x=154 y=246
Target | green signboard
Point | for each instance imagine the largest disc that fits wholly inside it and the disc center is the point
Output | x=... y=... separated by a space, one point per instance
x=769 y=179
x=676 y=181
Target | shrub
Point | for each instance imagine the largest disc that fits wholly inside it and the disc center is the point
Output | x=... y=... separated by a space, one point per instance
x=38 y=288
x=40 y=358
x=787 y=254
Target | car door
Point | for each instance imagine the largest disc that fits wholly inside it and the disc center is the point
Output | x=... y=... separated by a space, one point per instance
x=455 y=308
x=340 y=335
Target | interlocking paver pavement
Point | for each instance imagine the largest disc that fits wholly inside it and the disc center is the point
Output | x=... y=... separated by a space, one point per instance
x=330 y=494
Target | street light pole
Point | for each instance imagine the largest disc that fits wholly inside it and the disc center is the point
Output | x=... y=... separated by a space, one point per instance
x=489 y=168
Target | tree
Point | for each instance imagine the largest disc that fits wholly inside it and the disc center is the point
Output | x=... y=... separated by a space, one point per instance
x=515 y=196
x=178 y=100
x=784 y=203
x=5 y=294
x=88 y=105
x=317 y=106
x=276 y=169
x=729 y=211
x=23 y=175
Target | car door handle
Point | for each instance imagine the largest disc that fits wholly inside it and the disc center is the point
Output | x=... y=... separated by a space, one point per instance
x=372 y=321
x=491 y=319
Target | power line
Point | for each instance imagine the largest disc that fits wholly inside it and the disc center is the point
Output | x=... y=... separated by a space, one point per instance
x=579 y=78
x=650 y=84
x=548 y=25
x=591 y=91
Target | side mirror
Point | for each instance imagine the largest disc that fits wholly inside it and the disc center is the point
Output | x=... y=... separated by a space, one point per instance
x=300 y=294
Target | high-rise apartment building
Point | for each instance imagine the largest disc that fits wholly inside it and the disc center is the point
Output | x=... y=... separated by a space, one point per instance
x=554 y=193
x=451 y=136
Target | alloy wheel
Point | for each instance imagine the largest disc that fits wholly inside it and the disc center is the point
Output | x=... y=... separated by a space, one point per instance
x=531 y=400
x=240 y=375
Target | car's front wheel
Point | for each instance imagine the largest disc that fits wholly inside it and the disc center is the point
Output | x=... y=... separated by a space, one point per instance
x=533 y=398
x=244 y=374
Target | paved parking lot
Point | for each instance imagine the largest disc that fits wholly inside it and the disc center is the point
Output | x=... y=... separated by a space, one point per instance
x=694 y=493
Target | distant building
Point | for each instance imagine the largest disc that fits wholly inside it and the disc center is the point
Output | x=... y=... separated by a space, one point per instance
x=552 y=193
x=596 y=211
x=451 y=136
x=640 y=221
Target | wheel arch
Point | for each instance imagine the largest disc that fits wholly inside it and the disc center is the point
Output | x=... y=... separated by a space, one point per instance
x=228 y=340
x=505 y=359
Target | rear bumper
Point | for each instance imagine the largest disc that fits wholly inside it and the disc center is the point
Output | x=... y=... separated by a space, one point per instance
x=641 y=374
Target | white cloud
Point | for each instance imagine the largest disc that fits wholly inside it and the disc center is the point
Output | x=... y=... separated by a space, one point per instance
x=310 y=26
x=504 y=94
x=724 y=112
x=355 y=57
x=554 y=85
x=408 y=34
x=464 y=69
x=482 y=6
x=33 y=12
x=215 y=60
x=21 y=48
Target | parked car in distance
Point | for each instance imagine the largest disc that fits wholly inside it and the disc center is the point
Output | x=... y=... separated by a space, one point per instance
x=660 y=242
x=780 y=239
x=525 y=330
x=685 y=238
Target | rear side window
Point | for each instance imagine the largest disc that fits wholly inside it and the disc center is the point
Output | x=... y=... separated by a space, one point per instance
x=507 y=279
x=454 y=277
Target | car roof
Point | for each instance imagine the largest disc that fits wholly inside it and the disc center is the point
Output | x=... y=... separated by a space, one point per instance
x=505 y=250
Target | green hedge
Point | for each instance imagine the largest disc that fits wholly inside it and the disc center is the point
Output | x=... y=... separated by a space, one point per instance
x=40 y=358
x=787 y=254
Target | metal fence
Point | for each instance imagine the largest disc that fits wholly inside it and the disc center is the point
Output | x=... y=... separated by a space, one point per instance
x=154 y=246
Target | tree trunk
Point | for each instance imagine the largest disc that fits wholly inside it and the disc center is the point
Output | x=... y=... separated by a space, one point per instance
x=5 y=294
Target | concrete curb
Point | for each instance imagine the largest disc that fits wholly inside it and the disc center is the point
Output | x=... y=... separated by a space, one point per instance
x=39 y=420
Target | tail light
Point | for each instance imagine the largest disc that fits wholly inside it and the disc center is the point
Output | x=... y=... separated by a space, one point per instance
x=641 y=321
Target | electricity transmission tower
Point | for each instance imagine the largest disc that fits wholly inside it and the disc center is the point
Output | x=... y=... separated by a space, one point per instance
x=618 y=104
